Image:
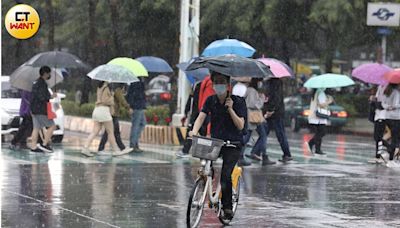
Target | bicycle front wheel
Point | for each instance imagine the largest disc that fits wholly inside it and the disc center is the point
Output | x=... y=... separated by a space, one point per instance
x=196 y=203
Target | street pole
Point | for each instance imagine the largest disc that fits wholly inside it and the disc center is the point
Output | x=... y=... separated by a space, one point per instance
x=189 y=47
x=383 y=49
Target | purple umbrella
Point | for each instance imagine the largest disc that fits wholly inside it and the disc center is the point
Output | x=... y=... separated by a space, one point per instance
x=371 y=73
x=278 y=68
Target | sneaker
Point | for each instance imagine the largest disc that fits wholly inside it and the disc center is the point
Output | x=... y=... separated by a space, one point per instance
x=180 y=154
x=120 y=153
x=266 y=161
x=309 y=147
x=285 y=159
x=137 y=150
x=37 y=150
x=45 y=148
x=320 y=153
x=376 y=161
x=127 y=150
x=243 y=162
x=85 y=151
x=254 y=157
x=228 y=214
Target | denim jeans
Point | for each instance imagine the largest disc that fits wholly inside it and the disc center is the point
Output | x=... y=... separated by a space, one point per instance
x=277 y=125
x=260 y=146
x=138 y=123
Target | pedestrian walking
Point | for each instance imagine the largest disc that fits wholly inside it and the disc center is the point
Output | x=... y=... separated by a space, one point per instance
x=378 y=117
x=136 y=99
x=254 y=102
x=274 y=111
x=318 y=119
x=40 y=98
x=102 y=116
x=192 y=112
x=26 y=126
x=119 y=102
x=240 y=90
x=391 y=103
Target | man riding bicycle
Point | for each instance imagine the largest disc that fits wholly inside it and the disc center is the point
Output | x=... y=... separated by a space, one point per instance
x=228 y=122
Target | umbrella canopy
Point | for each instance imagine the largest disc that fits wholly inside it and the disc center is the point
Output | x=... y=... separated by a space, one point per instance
x=24 y=77
x=229 y=46
x=134 y=66
x=112 y=74
x=57 y=59
x=193 y=75
x=393 y=76
x=232 y=65
x=328 y=81
x=155 y=64
x=278 y=68
x=371 y=73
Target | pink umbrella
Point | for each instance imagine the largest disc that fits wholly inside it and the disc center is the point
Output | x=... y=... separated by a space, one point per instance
x=278 y=68
x=371 y=73
x=393 y=76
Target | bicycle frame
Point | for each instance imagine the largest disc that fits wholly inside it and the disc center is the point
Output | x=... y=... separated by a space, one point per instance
x=207 y=172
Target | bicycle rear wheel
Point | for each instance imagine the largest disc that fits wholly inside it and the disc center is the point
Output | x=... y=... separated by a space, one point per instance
x=196 y=203
x=235 y=203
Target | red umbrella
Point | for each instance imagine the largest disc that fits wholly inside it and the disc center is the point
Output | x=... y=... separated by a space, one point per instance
x=393 y=76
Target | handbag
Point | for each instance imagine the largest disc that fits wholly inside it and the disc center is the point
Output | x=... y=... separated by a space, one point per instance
x=256 y=117
x=50 y=113
x=323 y=113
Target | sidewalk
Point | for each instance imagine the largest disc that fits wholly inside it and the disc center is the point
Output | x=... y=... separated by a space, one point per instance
x=359 y=126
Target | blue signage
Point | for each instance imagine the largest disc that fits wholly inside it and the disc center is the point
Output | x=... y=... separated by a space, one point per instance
x=383 y=14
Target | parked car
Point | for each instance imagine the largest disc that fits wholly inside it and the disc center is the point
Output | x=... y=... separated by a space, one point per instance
x=10 y=103
x=297 y=110
x=159 y=90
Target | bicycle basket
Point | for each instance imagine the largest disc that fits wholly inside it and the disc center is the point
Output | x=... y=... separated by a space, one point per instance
x=206 y=148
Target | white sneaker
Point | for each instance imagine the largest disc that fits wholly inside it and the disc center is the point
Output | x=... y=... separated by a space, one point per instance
x=85 y=151
x=180 y=154
x=121 y=152
x=376 y=161
x=127 y=150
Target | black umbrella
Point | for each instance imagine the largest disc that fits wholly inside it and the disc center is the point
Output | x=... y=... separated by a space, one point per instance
x=232 y=65
x=57 y=59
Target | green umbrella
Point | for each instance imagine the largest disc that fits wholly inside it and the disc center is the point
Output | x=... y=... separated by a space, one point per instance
x=134 y=66
x=112 y=73
x=329 y=81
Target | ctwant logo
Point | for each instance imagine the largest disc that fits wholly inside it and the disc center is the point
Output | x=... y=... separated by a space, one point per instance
x=22 y=21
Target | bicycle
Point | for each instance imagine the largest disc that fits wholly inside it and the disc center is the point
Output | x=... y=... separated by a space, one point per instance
x=208 y=149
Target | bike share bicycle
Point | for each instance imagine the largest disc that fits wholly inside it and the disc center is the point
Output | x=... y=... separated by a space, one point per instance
x=208 y=150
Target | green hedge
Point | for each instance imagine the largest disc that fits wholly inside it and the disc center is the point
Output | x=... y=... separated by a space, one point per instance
x=355 y=105
x=85 y=110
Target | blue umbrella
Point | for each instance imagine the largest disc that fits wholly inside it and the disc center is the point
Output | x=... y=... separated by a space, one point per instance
x=155 y=64
x=193 y=75
x=228 y=46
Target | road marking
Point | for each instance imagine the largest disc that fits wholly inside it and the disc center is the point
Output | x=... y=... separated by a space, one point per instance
x=60 y=207
x=141 y=159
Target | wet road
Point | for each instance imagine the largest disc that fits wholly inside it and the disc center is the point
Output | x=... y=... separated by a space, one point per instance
x=151 y=189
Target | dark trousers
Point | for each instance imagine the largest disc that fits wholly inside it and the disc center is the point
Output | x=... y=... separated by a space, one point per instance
x=316 y=140
x=24 y=131
x=379 y=131
x=230 y=157
x=117 y=135
x=278 y=126
x=394 y=126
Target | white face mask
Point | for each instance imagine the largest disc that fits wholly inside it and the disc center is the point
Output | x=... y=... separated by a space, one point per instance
x=259 y=85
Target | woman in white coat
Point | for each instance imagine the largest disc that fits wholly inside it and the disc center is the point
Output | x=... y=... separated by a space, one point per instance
x=318 y=100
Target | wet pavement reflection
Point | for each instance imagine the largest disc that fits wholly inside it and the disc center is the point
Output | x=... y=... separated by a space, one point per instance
x=151 y=189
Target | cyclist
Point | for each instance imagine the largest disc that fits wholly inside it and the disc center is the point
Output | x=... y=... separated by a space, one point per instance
x=228 y=122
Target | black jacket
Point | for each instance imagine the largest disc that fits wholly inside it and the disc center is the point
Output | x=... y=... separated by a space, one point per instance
x=40 y=97
x=275 y=98
x=136 y=97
